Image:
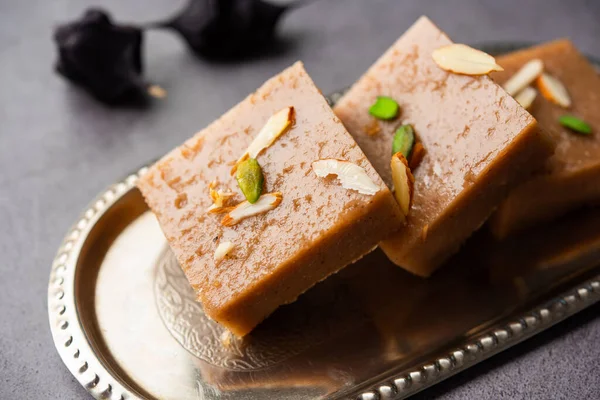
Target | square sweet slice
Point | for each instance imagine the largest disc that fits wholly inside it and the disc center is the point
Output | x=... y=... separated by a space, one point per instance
x=246 y=261
x=478 y=144
x=573 y=176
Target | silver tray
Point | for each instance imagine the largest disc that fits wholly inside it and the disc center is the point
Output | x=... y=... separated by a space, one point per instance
x=125 y=322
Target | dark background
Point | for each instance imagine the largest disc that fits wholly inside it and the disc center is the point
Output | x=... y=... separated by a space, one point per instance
x=59 y=148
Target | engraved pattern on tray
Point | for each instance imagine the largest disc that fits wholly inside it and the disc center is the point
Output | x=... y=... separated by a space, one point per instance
x=290 y=331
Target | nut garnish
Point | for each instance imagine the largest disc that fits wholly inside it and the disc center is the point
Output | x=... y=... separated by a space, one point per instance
x=384 y=108
x=403 y=182
x=276 y=125
x=245 y=209
x=575 y=124
x=250 y=179
x=416 y=156
x=222 y=250
x=404 y=140
x=524 y=77
x=553 y=89
x=462 y=59
x=219 y=198
x=157 y=92
x=526 y=97
x=350 y=175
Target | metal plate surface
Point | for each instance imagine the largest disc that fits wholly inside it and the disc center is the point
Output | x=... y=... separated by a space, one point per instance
x=126 y=324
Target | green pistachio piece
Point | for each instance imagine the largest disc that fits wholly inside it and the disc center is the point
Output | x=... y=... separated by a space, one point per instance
x=250 y=179
x=575 y=124
x=384 y=108
x=404 y=140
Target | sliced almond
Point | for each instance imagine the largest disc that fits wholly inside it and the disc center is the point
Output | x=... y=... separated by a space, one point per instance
x=553 y=89
x=276 y=125
x=245 y=209
x=214 y=209
x=157 y=92
x=222 y=250
x=526 y=97
x=403 y=182
x=463 y=59
x=524 y=77
x=416 y=156
x=350 y=175
x=219 y=198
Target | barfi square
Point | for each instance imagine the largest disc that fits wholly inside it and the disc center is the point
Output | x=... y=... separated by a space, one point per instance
x=573 y=172
x=478 y=144
x=248 y=260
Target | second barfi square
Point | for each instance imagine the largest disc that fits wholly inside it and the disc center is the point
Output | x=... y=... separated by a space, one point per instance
x=478 y=143
x=322 y=204
x=573 y=173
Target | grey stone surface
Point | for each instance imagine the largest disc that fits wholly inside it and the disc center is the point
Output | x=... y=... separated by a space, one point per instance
x=59 y=148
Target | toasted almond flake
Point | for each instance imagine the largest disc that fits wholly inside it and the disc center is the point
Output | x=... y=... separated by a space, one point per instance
x=219 y=198
x=416 y=156
x=276 y=125
x=462 y=59
x=350 y=175
x=157 y=92
x=223 y=249
x=215 y=209
x=524 y=77
x=403 y=182
x=526 y=97
x=553 y=89
x=245 y=209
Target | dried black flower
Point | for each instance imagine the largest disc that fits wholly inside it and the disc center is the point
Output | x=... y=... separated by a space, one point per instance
x=104 y=58
x=227 y=29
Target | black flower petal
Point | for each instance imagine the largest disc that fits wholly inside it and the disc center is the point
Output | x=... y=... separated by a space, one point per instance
x=227 y=29
x=104 y=58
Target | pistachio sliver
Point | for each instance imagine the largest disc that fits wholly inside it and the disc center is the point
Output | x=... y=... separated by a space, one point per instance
x=575 y=124
x=384 y=108
x=404 y=140
x=250 y=179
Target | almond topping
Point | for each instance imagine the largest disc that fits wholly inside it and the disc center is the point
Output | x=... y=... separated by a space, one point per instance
x=403 y=182
x=245 y=209
x=526 y=97
x=553 y=90
x=219 y=198
x=524 y=77
x=157 y=92
x=350 y=175
x=462 y=59
x=276 y=125
x=222 y=250
x=416 y=156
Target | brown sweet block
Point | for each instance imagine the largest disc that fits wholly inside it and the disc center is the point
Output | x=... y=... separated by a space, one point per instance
x=318 y=228
x=479 y=143
x=573 y=177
